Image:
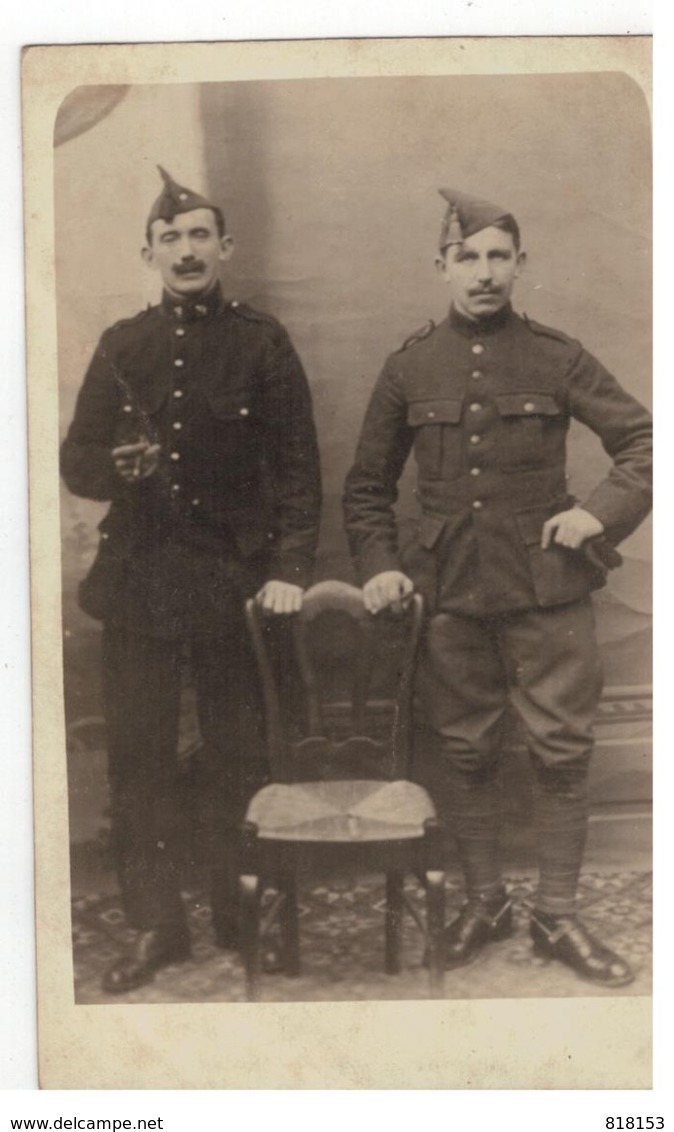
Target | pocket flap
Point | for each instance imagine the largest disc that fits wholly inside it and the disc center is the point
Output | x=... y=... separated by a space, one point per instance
x=249 y=528
x=430 y=529
x=530 y=523
x=440 y=411
x=527 y=405
x=530 y=519
x=231 y=408
x=115 y=529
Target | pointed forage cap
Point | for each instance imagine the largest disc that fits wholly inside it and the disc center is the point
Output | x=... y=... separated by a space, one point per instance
x=175 y=199
x=465 y=216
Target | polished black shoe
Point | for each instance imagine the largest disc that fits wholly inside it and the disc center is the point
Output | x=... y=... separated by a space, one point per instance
x=479 y=922
x=152 y=950
x=565 y=938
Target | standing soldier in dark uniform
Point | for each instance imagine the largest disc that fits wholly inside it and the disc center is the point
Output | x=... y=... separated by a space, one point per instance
x=195 y=419
x=507 y=560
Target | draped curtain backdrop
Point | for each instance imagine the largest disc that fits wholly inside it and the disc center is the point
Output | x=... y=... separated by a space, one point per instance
x=330 y=190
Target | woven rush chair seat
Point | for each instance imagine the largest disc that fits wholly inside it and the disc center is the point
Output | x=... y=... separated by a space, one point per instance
x=352 y=810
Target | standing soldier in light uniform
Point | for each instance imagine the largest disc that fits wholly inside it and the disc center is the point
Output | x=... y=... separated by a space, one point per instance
x=507 y=560
x=195 y=419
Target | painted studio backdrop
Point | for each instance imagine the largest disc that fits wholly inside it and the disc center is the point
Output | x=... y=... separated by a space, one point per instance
x=329 y=188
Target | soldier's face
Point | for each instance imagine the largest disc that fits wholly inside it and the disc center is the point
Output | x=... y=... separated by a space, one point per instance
x=481 y=272
x=188 y=251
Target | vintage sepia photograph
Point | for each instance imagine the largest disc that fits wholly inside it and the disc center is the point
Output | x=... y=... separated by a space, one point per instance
x=349 y=454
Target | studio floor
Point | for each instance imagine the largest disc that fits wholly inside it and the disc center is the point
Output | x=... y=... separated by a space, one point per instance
x=342 y=931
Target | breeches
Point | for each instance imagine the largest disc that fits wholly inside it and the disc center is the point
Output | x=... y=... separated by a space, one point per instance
x=545 y=662
x=142 y=678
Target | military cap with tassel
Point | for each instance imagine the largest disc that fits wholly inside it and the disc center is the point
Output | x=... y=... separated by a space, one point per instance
x=175 y=199
x=465 y=216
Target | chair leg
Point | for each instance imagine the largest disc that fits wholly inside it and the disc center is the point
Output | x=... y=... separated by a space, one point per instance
x=394 y=916
x=435 y=921
x=250 y=933
x=434 y=880
x=290 y=925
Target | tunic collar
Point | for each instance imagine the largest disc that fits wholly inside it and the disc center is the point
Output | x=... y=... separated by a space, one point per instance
x=481 y=327
x=193 y=308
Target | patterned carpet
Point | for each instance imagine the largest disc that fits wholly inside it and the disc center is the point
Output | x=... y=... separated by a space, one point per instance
x=342 y=940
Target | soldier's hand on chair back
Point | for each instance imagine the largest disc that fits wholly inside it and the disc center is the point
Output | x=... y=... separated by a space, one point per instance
x=388 y=590
x=280 y=597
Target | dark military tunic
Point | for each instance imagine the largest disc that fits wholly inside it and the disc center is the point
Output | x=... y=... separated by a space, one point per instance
x=486 y=406
x=236 y=497
x=234 y=501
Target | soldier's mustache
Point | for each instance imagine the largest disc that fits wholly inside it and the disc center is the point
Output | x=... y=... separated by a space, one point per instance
x=188 y=268
x=485 y=291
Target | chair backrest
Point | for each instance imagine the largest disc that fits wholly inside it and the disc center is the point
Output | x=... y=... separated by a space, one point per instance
x=337 y=684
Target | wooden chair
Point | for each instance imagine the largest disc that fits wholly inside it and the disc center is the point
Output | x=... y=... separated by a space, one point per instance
x=339 y=793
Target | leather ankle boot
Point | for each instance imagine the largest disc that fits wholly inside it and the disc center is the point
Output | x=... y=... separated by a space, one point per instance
x=564 y=938
x=152 y=950
x=480 y=921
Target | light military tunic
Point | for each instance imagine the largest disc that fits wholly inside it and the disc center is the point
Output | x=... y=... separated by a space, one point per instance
x=486 y=407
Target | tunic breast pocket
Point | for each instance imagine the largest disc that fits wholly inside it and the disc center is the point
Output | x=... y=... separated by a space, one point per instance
x=229 y=437
x=234 y=421
x=233 y=409
x=437 y=436
x=531 y=431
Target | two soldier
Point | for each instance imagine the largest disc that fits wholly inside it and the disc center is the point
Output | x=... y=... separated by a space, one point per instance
x=195 y=420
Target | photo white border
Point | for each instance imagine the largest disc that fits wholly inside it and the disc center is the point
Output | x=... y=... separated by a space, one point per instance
x=99 y=23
